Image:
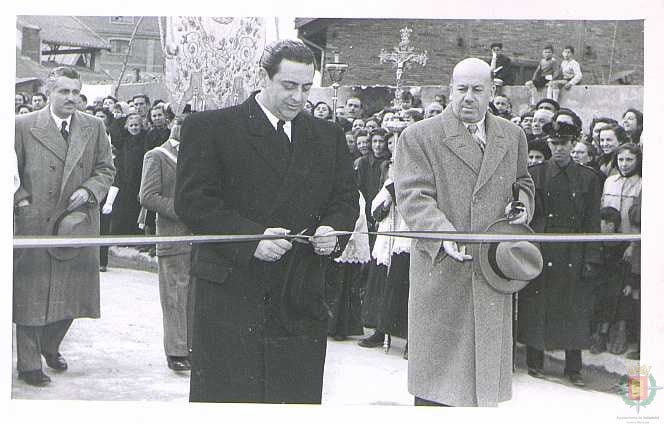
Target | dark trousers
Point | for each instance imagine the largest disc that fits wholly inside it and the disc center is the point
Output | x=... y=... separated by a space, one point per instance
x=535 y=359
x=33 y=341
x=424 y=402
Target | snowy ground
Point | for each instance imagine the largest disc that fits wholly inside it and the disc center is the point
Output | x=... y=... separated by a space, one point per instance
x=120 y=357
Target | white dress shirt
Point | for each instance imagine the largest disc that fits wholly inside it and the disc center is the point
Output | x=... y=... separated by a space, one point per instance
x=274 y=120
x=481 y=131
x=58 y=121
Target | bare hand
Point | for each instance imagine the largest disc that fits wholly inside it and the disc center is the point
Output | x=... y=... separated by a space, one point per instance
x=323 y=245
x=452 y=249
x=78 y=199
x=568 y=86
x=521 y=217
x=273 y=250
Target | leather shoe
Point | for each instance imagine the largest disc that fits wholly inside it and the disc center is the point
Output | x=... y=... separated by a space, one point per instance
x=535 y=372
x=178 y=363
x=55 y=361
x=34 y=378
x=374 y=340
x=575 y=378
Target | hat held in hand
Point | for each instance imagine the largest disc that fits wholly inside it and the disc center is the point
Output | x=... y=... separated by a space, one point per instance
x=509 y=266
x=70 y=223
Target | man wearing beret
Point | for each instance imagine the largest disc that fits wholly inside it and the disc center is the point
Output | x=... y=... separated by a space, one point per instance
x=65 y=167
x=456 y=172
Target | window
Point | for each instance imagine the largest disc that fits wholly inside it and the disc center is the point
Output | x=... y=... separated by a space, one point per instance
x=119 y=46
x=122 y=19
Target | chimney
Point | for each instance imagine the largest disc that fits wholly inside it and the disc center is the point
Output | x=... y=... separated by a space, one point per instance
x=31 y=42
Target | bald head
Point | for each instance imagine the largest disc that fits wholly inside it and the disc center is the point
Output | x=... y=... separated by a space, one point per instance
x=472 y=67
x=471 y=89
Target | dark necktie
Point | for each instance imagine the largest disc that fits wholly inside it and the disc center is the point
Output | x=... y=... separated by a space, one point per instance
x=283 y=137
x=473 y=129
x=64 y=131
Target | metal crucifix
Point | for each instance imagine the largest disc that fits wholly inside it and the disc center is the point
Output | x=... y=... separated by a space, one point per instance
x=402 y=58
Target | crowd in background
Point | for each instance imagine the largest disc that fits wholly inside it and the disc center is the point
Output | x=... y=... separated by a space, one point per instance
x=368 y=283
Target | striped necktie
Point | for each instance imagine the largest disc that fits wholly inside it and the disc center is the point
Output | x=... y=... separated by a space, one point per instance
x=473 y=129
x=64 y=131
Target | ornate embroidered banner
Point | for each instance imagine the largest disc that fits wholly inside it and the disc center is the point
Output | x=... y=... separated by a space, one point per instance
x=211 y=62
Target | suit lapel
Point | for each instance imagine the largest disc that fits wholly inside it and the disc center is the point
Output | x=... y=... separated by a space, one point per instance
x=262 y=137
x=459 y=140
x=49 y=135
x=494 y=151
x=79 y=136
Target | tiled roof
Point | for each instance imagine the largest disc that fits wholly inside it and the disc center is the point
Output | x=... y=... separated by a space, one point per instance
x=65 y=30
x=300 y=22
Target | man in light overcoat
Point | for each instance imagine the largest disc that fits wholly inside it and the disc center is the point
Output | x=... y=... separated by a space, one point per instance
x=158 y=194
x=65 y=167
x=454 y=172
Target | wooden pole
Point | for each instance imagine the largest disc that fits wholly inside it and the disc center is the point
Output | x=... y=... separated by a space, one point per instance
x=124 y=64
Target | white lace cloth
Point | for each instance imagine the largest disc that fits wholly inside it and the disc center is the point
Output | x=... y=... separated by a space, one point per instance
x=357 y=249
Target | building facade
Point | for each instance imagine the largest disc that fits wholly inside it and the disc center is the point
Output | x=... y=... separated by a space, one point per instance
x=610 y=52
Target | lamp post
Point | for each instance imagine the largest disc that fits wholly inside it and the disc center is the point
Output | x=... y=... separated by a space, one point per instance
x=336 y=71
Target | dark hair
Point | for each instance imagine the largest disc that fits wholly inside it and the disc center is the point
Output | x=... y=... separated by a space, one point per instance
x=552 y=102
x=406 y=95
x=293 y=50
x=91 y=108
x=540 y=146
x=636 y=136
x=569 y=112
x=24 y=105
x=415 y=114
x=129 y=115
x=603 y=119
x=527 y=114
x=496 y=44
x=156 y=102
x=633 y=149
x=84 y=98
x=378 y=131
x=329 y=109
x=107 y=114
x=548 y=47
x=43 y=96
x=156 y=107
x=570 y=48
x=109 y=97
x=619 y=131
x=610 y=214
x=592 y=150
x=143 y=96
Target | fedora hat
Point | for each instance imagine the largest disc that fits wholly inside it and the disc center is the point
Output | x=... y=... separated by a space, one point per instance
x=70 y=223
x=509 y=266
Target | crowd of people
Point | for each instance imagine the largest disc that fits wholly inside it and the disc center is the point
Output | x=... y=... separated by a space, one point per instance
x=369 y=282
x=585 y=181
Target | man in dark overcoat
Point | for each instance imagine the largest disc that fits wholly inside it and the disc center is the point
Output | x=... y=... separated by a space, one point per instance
x=65 y=165
x=263 y=167
x=555 y=309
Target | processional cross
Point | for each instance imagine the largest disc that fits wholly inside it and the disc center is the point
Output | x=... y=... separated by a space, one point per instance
x=402 y=58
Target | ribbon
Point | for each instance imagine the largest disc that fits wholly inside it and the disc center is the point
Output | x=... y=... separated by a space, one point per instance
x=22 y=242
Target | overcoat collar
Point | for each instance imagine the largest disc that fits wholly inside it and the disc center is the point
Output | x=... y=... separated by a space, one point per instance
x=461 y=143
x=70 y=153
x=291 y=169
